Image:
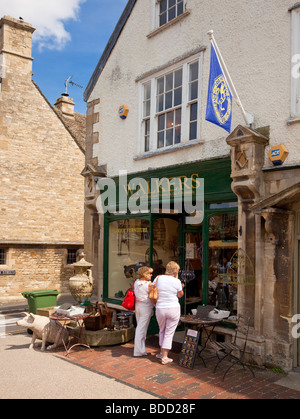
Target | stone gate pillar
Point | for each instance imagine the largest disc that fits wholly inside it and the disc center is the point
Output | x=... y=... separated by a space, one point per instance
x=247 y=160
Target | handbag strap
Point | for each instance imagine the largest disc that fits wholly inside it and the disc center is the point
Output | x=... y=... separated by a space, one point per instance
x=156 y=282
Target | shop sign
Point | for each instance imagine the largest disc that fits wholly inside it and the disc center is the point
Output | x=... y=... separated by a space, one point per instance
x=189 y=349
x=140 y=195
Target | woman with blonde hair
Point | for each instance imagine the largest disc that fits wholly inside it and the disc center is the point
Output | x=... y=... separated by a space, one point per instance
x=143 y=309
x=170 y=289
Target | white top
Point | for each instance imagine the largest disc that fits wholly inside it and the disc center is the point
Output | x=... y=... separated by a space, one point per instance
x=168 y=286
x=141 y=291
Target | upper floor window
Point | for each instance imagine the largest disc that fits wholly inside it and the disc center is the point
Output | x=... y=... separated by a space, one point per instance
x=295 y=76
x=169 y=10
x=171 y=106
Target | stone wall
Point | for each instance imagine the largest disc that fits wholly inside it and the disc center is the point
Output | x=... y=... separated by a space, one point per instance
x=42 y=190
x=36 y=267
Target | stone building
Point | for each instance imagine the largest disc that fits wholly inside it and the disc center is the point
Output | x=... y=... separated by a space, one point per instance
x=154 y=73
x=41 y=159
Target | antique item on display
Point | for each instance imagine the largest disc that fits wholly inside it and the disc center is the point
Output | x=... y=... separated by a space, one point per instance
x=82 y=283
x=99 y=317
x=189 y=349
x=125 y=320
x=43 y=328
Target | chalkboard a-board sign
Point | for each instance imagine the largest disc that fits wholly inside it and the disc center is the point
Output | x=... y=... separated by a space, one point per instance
x=189 y=349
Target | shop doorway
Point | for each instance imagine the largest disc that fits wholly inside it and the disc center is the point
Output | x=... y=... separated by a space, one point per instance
x=192 y=271
x=298 y=311
x=297 y=283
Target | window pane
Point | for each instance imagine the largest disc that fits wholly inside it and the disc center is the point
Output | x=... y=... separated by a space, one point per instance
x=169 y=137
x=147 y=135
x=193 y=121
x=172 y=3
x=178 y=134
x=163 y=19
x=194 y=109
x=160 y=103
x=180 y=8
x=178 y=117
x=172 y=13
x=178 y=97
x=146 y=108
x=161 y=122
x=193 y=130
x=169 y=100
x=194 y=90
x=178 y=78
x=163 y=6
x=170 y=119
x=160 y=139
x=160 y=85
x=194 y=71
x=169 y=82
x=128 y=239
x=147 y=91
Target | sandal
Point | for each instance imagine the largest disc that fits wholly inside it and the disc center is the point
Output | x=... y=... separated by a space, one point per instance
x=159 y=356
x=165 y=361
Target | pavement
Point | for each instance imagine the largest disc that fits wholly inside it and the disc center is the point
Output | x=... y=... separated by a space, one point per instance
x=112 y=372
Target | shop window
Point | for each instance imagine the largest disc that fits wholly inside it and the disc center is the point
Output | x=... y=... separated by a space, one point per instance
x=223 y=235
x=170 y=107
x=2 y=256
x=128 y=250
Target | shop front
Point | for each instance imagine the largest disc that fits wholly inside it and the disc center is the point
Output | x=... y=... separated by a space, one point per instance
x=203 y=245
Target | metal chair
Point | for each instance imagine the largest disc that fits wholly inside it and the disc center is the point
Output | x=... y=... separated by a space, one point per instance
x=233 y=351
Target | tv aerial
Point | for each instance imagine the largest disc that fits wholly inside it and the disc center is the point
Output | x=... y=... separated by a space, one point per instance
x=69 y=81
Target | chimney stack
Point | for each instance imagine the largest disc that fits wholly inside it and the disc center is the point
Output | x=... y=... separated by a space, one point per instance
x=15 y=48
x=66 y=105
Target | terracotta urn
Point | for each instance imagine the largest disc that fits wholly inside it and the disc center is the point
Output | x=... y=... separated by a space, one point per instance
x=82 y=283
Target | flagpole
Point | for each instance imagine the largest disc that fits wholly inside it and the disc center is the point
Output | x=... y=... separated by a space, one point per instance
x=249 y=119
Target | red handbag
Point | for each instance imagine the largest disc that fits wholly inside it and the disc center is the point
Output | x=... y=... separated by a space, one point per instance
x=129 y=299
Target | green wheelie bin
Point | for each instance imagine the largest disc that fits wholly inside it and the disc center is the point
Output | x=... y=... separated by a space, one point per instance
x=40 y=299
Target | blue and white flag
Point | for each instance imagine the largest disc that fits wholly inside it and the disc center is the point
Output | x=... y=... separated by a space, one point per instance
x=219 y=100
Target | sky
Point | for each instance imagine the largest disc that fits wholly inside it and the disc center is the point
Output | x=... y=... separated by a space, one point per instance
x=69 y=39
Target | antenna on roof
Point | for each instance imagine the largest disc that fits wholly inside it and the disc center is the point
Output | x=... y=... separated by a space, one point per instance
x=68 y=81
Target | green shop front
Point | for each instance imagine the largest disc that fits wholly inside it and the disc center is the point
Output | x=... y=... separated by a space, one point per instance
x=203 y=248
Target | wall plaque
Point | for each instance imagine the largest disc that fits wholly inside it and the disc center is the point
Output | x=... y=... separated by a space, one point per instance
x=7 y=272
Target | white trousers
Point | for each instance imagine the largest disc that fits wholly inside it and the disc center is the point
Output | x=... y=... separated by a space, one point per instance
x=143 y=314
x=167 y=319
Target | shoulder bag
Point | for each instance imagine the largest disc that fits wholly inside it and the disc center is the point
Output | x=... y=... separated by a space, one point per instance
x=129 y=299
x=153 y=293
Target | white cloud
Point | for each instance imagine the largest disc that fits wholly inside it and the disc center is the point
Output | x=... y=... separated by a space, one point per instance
x=46 y=16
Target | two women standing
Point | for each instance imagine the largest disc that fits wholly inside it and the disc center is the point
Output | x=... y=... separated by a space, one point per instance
x=170 y=289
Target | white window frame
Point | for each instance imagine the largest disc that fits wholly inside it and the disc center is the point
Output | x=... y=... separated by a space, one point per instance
x=156 y=13
x=185 y=106
x=295 y=64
